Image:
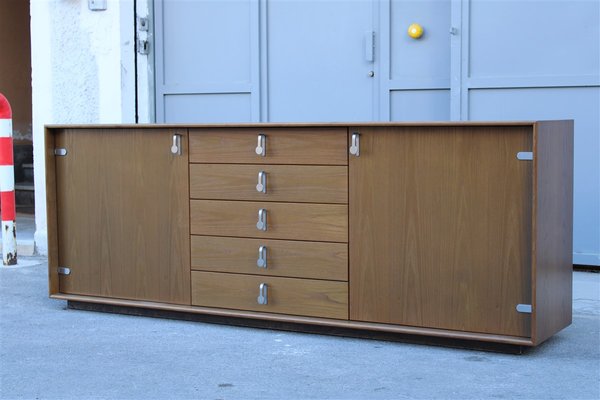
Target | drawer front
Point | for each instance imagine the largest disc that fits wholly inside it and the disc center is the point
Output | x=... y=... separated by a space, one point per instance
x=321 y=146
x=295 y=221
x=299 y=184
x=314 y=260
x=313 y=298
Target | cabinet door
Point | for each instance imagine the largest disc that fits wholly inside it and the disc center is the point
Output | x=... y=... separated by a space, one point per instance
x=440 y=228
x=123 y=214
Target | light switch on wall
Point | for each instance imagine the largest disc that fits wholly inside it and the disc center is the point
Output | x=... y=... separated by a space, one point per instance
x=97 y=5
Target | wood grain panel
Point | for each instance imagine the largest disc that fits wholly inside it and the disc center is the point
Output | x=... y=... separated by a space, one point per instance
x=123 y=214
x=316 y=298
x=553 y=221
x=297 y=183
x=297 y=259
x=51 y=212
x=324 y=146
x=295 y=221
x=440 y=228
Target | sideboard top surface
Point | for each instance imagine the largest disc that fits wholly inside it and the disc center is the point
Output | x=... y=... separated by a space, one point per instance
x=300 y=125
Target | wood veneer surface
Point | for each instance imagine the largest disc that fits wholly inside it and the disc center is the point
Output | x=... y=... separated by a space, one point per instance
x=320 y=146
x=287 y=258
x=553 y=246
x=292 y=221
x=51 y=212
x=549 y=251
x=440 y=228
x=285 y=183
x=316 y=298
x=123 y=215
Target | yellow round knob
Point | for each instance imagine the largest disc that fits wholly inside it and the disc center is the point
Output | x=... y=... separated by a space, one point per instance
x=415 y=31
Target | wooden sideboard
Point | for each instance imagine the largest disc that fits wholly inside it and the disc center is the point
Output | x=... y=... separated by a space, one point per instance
x=459 y=230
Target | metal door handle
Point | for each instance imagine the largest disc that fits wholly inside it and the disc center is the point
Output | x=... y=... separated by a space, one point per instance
x=262 y=294
x=261 y=262
x=355 y=145
x=261 y=148
x=176 y=147
x=261 y=186
x=261 y=225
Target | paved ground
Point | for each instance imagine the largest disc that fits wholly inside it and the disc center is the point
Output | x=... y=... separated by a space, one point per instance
x=47 y=351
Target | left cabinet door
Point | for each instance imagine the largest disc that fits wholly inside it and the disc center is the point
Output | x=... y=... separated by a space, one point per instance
x=122 y=213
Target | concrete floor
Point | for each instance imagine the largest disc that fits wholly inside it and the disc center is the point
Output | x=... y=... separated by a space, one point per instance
x=48 y=351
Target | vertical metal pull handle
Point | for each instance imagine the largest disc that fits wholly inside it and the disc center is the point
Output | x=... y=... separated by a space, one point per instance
x=261 y=262
x=355 y=145
x=176 y=147
x=261 y=148
x=261 y=225
x=262 y=294
x=261 y=186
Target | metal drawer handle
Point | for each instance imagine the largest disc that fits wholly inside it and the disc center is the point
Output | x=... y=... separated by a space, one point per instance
x=261 y=225
x=176 y=147
x=261 y=149
x=261 y=262
x=355 y=145
x=262 y=294
x=261 y=186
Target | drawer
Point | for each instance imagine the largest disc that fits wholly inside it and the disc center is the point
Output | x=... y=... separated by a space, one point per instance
x=321 y=146
x=313 y=298
x=293 y=183
x=296 y=259
x=295 y=221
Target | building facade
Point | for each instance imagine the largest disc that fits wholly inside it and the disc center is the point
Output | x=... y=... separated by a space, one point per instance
x=305 y=60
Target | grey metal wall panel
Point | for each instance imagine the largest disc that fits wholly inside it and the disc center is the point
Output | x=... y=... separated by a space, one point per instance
x=207 y=42
x=207 y=49
x=190 y=108
x=534 y=38
x=317 y=67
x=415 y=73
x=420 y=105
x=428 y=56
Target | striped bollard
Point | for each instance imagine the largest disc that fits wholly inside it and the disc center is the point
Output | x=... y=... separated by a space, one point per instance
x=7 y=185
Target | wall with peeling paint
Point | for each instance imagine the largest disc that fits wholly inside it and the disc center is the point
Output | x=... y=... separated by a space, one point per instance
x=83 y=71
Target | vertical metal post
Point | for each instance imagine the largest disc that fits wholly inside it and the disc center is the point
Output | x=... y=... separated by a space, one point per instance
x=7 y=185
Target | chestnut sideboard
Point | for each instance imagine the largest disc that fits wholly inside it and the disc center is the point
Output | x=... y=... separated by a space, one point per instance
x=459 y=230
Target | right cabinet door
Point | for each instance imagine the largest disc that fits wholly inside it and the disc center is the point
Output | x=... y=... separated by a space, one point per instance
x=440 y=227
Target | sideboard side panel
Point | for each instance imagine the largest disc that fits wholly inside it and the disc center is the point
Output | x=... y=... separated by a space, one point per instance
x=553 y=236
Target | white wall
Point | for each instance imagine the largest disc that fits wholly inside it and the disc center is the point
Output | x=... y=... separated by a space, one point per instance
x=83 y=71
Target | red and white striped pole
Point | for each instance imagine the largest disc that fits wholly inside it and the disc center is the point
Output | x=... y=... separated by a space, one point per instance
x=7 y=185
